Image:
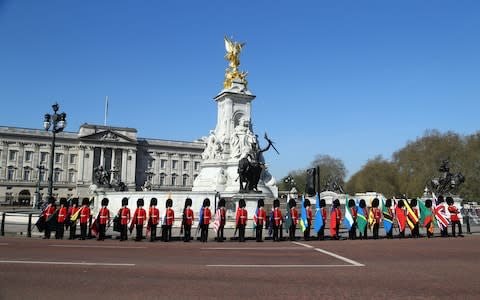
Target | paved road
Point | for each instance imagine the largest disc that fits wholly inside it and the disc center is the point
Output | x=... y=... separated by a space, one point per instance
x=409 y=268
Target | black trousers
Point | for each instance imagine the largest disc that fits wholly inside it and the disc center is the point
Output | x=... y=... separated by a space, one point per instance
x=375 y=230
x=204 y=233
x=153 y=232
x=166 y=233
x=459 y=227
x=83 y=231
x=220 y=233
x=139 y=229
x=101 y=231
x=416 y=231
x=321 y=233
x=241 y=233
x=275 y=232
x=306 y=233
x=291 y=232
x=73 y=230
x=444 y=232
x=259 y=232
x=352 y=233
x=337 y=231
x=60 y=230
x=188 y=233
x=429 y=234
x=363 y=235
x=123 y=232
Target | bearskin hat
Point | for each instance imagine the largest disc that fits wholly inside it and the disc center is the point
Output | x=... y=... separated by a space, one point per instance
x=188 y=202
x=388 y=202
x=51 y=200
x=221 y=202
x=104 y=201
x=140 y=202
x=63 y=201
x=362 y=203
x=449 y=200
x=413 y=202
x=306 y=203
x=428 y=203
x=124 y=201
x=85 y=201
x=153 y=201
x=323 y=203
x=375 y=202
x=241 y=203
x=440 y=199
x=206 y=202
x=351 y=203
x=336 y=203
x=276 y=203
x=169 y=203
x=400 y=203
x=260 y=203
x=292 y=203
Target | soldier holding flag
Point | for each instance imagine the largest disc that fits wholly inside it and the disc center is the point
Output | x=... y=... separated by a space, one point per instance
x=259 y=220
x=62 y=216
x=187 y=220
x=104 y=216
x=168 y=221
x=277 y=219
x=84 y=217
x=139 y=217
x=241 y=220
x=220 y=219
x=207 y=216
x=153 y=218
x=72 y=218
x=124 y=215
x=47 y=215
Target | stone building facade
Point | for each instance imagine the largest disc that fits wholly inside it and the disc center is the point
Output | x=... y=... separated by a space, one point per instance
x=137 y=162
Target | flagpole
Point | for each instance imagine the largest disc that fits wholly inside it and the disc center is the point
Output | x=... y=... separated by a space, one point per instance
x=106 y=111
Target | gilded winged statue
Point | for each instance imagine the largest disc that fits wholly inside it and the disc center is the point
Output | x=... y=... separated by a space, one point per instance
x=233 y=56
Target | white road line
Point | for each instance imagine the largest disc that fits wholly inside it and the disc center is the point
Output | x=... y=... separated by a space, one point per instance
x=93 y=246
x=350 y=261
x=279 y=266
x=302 y=244
x=250 y=248
x=64 y=263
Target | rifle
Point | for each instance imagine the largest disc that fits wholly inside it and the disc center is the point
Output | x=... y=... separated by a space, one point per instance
x=235 y=232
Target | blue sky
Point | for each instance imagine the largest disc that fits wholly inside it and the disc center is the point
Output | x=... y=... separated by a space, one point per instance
x=352 y=79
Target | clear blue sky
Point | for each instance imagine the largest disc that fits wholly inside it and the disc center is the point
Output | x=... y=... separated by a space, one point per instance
x=351 y=79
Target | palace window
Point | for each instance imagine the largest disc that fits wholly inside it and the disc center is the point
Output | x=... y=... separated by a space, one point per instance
x=73 y=158
x=28 y=155
x=150 y=163
x=162 y=179
x=26 y=174
x=185 y=180
x=197 y=165
x=12 y=155
x=174 y=164
x=71 y=176
x=174 y=179
x=43 y=157
x=10 y=173
x=185 y=165
x=58 y=158
x=56 y=175
x=163 y=163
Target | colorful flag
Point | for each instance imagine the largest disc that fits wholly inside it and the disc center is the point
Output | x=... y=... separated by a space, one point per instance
x=255 y=218
x=387 y=217
x=288 y=217
x=348 y=220
x=361 y=219
x=318 y=215
x=200 y=216
x=216 y=223
x=425 y=213
x=303 y=218
x=371 y=218
x=412 y=218
x=440 y=213
x=270 y=224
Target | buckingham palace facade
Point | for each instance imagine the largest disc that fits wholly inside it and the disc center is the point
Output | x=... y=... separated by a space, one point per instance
x=137 y=163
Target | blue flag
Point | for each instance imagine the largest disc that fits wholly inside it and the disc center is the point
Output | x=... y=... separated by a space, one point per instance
x=303 y=219
x=200 y=216
x=318 y=215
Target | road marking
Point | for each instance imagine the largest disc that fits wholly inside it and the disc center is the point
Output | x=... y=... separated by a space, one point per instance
x=251 y=248
x=3 y=244
x=280 y=266
x=64 y=263
x=347 y=260
x=93 y=246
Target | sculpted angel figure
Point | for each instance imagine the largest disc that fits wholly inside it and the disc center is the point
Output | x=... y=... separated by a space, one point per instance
x=233 y=52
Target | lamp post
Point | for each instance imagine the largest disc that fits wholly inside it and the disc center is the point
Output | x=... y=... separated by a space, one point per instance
x=38 y=201
x=55 y=123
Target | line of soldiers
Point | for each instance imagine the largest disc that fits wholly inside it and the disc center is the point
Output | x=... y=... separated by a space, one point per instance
x=58 y=218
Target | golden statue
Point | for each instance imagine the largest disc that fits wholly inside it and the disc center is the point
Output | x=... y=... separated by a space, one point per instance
x=233 y=57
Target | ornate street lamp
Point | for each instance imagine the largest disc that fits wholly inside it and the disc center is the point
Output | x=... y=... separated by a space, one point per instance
x=55 y=123
x=38 y=198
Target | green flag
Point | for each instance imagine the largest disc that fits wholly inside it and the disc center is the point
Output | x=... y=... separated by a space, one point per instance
x=424 y=211
x=361 y=220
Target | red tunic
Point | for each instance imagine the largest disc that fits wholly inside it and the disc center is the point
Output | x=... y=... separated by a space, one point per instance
x=207 y=215
x=62 y=214
x=262 y=215
x=241 y=217
x=153 y=215
x=222 y=216
x=277 y=216
x=376 y=214
x=169 y=216
x=139 y=216
x=353 y=211
x=309 y=215
x=50 y=210
x=188 y=216
x=124 y=215
x=294 y=214
x=324 y=214
x=104 y=215
x=84 y=214
x=452 y=209
x=72 y=211
x=401 y=218
x=335 y=218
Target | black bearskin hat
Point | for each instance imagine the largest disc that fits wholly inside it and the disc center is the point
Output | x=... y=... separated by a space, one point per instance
x=51 y=200
x=428 y=203
x=75 y=201
x=85 y=201
x=140 y=202
x=323 y=203
x=241 y=203
x=188 y=202
x=440 y=199
x=276 y=203
x=306 y=203
x=413 y=202
x=221 y=202
x=292 y=203
x=260 y=203
x=362 y=203
x=169 y=203
x=104 y=201
x=206 y=202
x=449 y=200
x=400 y=203
x=153 y=201
x=63 y=201
x=388 y=202
x=375 y=202
x=336 y=203
x=351 y=203
x=124 y=201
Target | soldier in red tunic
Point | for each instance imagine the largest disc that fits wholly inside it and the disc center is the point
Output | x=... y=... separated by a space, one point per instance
x=401 y=218
x=352 y=233
x=168 y=221
x=363 y=206
x=62 y=216
x=48 y=217
x=335 y=220
x=277 y=219
x=124 y=215
x=294 y=217
x=321 y=232
x=259 y=220
x=207 y=216
x=241 y=220
x=104 y=217
x=376 y=213
x=187 y=220
x=153 y=219
x=84 y=218
x=308 y=209
x=416 y=228
x=71 y=212
x=138 y=219
x=453 y=210
x=221 y=226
